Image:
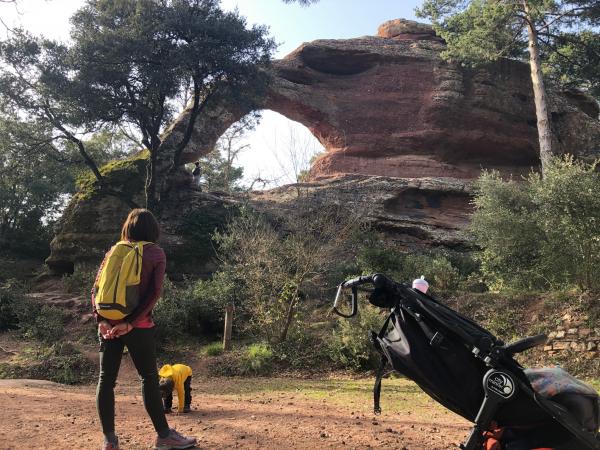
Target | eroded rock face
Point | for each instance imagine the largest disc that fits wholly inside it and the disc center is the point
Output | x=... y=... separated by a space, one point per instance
x=90 y=226
x=404 y=131
x=390 y=106
x=413 y=213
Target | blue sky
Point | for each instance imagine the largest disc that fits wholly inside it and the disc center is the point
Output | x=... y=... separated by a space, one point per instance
x=292 y=24
x=289 y=24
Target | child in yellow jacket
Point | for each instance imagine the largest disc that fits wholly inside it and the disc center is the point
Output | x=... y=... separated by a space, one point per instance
x=178 y=377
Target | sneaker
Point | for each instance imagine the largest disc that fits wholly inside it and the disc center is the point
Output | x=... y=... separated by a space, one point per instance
x=110 y=445
x=186 y=409
x=174 y=441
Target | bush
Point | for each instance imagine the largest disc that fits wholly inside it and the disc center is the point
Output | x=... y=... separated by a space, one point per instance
x=350 y=346
x=61 y=363
x=274 y=260
x=11 y=296
x=542 y=232
x=258 y=359
x=213 y=349
x=193 y=309
x=303 y=350
x=80 y=282
x=444 y=270
x=42 y=322
x=45 y=324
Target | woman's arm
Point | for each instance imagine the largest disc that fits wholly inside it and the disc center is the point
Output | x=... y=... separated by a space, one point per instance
x=154 y=291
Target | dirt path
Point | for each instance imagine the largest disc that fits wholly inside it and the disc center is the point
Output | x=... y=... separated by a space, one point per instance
x=227 y=413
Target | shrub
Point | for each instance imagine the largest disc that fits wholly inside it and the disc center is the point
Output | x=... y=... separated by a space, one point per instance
x=213 y=349
x=274 y=260
x=80 y=282
x=193 y=308
x=11 y=295
x=45 y=324
x=350 y=346
x=304 y=350
x=258 y=359
x=61 y=363
x=542 y=232
x=437 y=267
x=42 y=322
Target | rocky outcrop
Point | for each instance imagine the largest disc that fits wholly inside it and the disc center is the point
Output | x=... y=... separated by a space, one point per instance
x=404 y=133
x=390 y=105
x=91 y=225
x=413 y=213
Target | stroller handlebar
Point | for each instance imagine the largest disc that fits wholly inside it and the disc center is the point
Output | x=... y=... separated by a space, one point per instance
x=378 y=280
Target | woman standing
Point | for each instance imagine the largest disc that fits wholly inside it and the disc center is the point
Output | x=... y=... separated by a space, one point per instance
x=136 y=331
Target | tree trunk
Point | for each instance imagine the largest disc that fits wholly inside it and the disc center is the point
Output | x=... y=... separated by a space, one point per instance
x=289 y=316
x=539 y=93
x=152 y=188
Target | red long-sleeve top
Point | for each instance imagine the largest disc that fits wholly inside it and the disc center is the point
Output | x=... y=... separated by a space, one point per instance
x=154 y=263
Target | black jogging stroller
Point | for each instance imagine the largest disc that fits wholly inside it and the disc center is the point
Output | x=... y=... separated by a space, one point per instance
x=471 y=372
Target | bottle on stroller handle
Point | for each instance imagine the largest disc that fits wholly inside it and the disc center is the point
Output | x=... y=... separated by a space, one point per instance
x=421 y=284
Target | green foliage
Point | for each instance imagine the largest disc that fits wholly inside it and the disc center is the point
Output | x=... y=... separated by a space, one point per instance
x=197 y=228
x=444 y=270
x=80 y=281
x=11 y=296
x=218 y=173
x=542 y=232
x=36 y=321
x=213 y=349
x=135 y=63
x=32 y=186
x=258 y=359
x=193 y=309
x=576 y=64
x=350 y=346
x=477 y=31
x=480 y=31
x=45 y=324
x=61 y=363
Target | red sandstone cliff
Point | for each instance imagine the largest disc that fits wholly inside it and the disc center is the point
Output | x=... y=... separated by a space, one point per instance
x=389 y=105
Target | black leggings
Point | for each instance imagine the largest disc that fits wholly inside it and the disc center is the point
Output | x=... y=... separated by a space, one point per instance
x=140 y=343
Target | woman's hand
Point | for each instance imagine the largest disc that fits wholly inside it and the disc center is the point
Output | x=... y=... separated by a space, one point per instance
x=104 y=329
x=120 y=329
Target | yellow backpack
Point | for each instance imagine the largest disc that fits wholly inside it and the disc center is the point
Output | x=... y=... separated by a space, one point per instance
x=117 y=289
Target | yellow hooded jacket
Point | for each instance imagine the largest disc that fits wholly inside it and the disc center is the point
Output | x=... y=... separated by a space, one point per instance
x=178 y=373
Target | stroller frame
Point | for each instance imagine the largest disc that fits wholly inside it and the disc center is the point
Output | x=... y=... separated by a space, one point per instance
x=501 y=383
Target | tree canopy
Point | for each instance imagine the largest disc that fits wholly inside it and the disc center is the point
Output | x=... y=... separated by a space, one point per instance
x=554 y=33
x=129 y=61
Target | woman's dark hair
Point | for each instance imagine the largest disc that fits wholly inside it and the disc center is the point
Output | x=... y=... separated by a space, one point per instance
x=140 y=225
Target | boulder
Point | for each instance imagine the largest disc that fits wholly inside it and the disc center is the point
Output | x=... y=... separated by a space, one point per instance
x=406 y=29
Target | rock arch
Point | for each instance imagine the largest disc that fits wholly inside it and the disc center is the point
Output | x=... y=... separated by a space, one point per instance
x=387 y=107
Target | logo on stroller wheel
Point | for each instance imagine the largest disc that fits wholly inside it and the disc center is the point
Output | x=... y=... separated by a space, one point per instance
x=500 y=383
